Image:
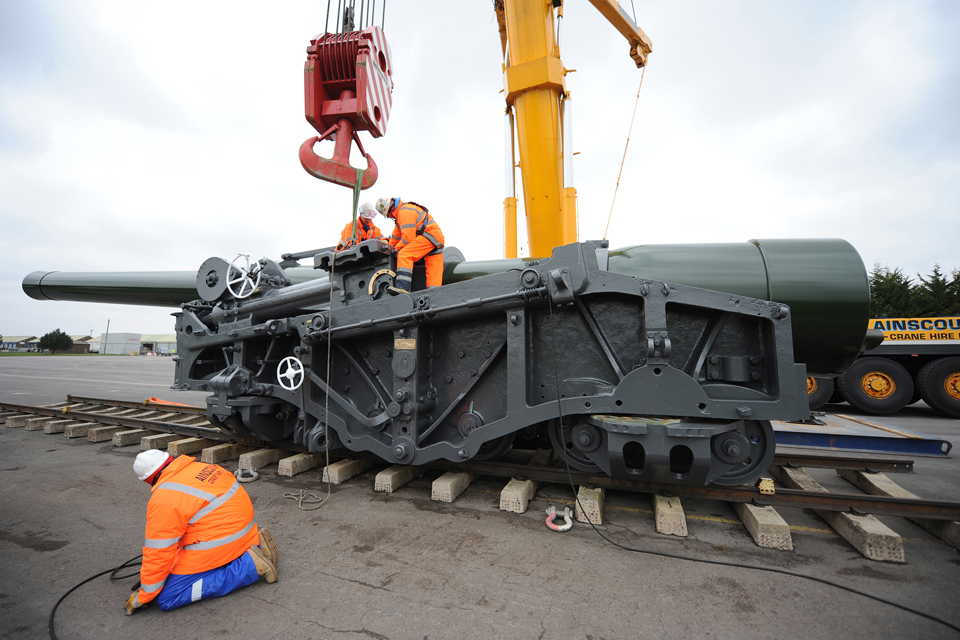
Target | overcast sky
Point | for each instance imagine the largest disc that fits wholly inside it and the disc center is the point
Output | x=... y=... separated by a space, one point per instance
x=145 y=136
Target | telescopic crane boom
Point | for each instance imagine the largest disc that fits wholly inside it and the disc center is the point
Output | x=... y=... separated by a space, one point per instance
x=539 y=114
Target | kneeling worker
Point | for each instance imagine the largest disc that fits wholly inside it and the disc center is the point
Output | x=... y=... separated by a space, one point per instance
x=201 y=539
x=366 y=230
x=415 y=235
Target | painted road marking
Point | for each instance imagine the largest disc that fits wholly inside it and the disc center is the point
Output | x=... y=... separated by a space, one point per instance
x=139 y=384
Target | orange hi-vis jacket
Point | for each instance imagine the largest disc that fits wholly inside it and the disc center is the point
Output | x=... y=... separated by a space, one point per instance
x=414 y=220
x=366 y=230
x=198 y=518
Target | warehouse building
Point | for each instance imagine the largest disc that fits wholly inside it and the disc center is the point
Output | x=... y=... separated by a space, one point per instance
x=159 y=343
x=13 y=343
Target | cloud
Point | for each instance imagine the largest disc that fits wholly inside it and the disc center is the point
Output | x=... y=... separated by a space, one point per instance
x=133 y=138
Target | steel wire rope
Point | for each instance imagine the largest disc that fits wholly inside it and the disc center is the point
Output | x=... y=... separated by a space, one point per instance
x=556 y=379
x=303 y=495
x=625 y=147
x=132 y=562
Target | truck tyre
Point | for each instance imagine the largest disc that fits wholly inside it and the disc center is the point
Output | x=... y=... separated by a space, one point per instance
x=939 y=382
x=837 y=396
x=819 y=391
x=876 y=385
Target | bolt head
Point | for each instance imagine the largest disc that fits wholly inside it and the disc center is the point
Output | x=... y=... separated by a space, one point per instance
x=731 y=448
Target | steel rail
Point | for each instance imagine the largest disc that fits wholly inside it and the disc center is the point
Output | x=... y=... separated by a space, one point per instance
x=857 y=504
x=139 y=405
x=787 y=459
x=212 y=433
x=849 y=463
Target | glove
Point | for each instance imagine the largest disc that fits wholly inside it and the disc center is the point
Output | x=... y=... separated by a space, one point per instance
x=132 y=604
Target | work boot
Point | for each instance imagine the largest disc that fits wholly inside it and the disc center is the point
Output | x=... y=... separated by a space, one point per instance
x=269 y=547
x=265 y=569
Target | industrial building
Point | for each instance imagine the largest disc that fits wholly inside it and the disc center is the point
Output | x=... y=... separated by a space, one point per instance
x=13 y=343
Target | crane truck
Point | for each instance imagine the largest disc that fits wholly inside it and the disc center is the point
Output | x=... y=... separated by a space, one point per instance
x=919 y=359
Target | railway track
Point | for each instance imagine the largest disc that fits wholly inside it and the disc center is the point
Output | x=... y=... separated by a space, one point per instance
x=185 y=429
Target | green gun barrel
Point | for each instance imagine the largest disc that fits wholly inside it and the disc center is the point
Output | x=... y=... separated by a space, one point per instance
x=823 y=281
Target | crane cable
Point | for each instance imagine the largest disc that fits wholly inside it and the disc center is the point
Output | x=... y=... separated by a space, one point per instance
x=626 y=146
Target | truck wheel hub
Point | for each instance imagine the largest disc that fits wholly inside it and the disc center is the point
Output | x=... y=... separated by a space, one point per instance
x=952 y=385
x=877 y=384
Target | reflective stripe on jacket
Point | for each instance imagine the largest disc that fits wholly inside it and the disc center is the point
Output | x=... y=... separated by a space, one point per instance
x=198 y=518
x=414 y=220
x=366 y=230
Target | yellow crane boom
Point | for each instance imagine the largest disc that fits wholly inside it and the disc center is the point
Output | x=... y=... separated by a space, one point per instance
x=539 y=114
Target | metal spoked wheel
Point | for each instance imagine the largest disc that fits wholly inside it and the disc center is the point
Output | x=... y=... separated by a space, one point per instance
x=763 y=446
x=493 y=449
x=243 y=276
x=567 y=447
x=290 y=373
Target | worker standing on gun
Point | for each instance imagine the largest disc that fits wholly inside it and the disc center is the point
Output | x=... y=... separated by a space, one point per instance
x=415 y=235
x=365 y=229
x=201 y=538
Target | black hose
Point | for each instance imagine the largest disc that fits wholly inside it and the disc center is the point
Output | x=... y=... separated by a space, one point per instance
x=113 y=576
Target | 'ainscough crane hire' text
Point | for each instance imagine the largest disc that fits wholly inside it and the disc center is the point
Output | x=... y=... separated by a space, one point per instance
x=918 y=330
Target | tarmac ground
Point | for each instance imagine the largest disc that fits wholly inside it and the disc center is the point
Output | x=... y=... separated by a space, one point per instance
x=377 y=566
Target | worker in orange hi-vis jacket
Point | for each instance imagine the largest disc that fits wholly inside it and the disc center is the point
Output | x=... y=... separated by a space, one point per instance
x=366 y=230
x=201 y=538
x=415 y=235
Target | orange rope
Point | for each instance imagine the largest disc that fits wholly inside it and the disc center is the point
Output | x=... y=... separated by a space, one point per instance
x=629 y=133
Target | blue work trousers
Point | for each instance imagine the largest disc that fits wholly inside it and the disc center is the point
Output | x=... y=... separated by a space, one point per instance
x=184 y=589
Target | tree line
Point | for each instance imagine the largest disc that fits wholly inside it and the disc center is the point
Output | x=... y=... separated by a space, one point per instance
x=896 y=295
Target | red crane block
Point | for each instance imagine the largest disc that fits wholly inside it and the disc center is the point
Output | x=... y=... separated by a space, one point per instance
x=347 y=83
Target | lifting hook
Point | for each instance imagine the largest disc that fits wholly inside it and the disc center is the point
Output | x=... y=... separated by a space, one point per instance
x=337 y=169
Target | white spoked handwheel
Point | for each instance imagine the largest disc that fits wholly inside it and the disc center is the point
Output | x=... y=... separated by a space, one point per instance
x=290 y=373
x=243 y=280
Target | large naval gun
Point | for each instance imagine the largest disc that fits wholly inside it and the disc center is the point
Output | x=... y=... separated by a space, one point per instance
x=651 y=363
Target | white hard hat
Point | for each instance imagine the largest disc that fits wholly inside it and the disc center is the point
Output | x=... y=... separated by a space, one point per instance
x=148 y=462
x=368 y=211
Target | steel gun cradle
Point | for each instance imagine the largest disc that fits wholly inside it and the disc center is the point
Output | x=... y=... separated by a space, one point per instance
x=635 y=378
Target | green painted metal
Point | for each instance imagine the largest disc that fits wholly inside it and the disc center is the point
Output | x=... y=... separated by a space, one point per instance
x=143 y=288
x=823 y=281
x=460 y=271
x=139 y=288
